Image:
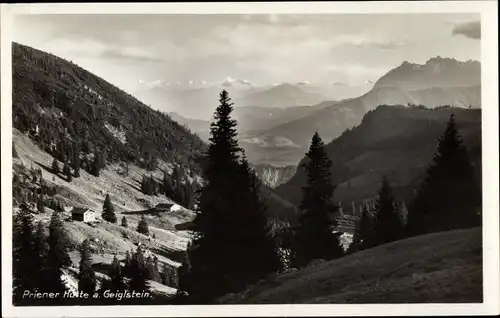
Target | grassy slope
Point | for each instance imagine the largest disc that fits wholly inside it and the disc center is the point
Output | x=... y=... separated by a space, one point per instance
x=90 y=191
x=434 y=268
x=394 y=141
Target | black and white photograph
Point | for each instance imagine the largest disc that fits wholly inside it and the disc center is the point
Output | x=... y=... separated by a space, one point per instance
x=166 y=159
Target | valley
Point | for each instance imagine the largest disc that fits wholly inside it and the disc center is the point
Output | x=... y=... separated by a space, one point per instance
x=109 y=143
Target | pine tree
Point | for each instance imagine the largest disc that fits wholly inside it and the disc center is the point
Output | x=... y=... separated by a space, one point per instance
x=55 y=166
x=314 y=237
x=42 y=249
x=165 y=275
x=364 y=235
x=86 y=275
x=126 y=264
x=143 y=227
x=57 y=256
x=124 y=222
x=226 y=210
x=108 y=210
x=449 y=197
x=25 y=277
x=388 y=227
x=96 y=165
x=39 y=204
x=167 y=185
x=66 y=169
x=115 y=275
x=138 y=272
x=152 y=269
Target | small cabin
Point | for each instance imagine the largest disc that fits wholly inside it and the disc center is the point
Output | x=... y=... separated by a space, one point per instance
x=163 y=207
x=83 y=214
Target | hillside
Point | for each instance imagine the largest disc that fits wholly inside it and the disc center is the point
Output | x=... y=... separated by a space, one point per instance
x=59 y=102
x=395 y=141
x=89 y=191
x=442 y=267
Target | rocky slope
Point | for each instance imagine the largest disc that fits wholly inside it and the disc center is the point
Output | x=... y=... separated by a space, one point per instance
x=274 y=176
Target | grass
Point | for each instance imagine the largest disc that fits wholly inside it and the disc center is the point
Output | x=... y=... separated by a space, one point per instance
x=435 y=268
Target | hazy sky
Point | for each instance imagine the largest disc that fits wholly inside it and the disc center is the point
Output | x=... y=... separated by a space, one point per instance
x=131 y=49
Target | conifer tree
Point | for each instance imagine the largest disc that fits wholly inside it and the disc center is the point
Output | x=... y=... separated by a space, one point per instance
x=66 y=169
x=124 y=222
x=25 y=277
x=226 y=209
x=55 y=166
x=96 y=165
x=314 y=237
x=143 y=227
x=152 y=269
x=115 y=275
x=42 y=250
x=449 y=197
x=138 y=272
x=388 y=226
x=86 y=275
x=57 y=256
x=364 y=235
x=39 y=204
x=126 y=264
x=165 y=275
x=167 y=184
x=108 y=210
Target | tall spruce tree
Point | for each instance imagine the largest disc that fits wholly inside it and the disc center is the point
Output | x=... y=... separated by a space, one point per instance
x=96 y=165
x=86 y=275
x=42 y=250
x=314 y=236
x=449 y=197
x=116 y=276
x=66 y=169
x=388 y=226
x=25 y=277
x=126 y=264
x=108 y=210
x=57 y=256
x=39 y=204
x=226 y=210
x=167 y=184
x=138 y=272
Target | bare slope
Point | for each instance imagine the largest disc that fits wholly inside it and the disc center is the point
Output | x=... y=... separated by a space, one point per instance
x=435 y=268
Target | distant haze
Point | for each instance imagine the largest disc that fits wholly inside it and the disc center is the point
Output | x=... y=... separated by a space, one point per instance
x=335 y=55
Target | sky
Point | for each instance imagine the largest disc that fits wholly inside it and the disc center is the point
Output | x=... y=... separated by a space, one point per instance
x=351 y=49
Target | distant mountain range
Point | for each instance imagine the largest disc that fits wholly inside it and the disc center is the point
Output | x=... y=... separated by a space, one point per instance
x=395 y=141
x=283 y=95
x=198 y=100
x=330 y=120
